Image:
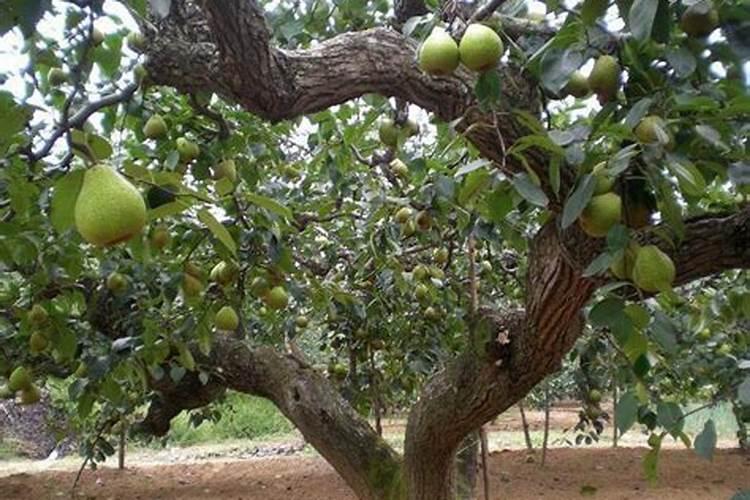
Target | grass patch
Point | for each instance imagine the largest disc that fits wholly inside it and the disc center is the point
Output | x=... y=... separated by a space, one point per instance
x=242 y=417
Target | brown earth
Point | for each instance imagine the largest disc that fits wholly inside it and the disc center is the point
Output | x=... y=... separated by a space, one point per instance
x=603 y=473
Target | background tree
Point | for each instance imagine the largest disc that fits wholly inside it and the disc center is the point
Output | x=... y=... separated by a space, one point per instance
x=440 y=236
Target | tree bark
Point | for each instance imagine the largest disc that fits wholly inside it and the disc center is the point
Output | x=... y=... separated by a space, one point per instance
x=525 y=424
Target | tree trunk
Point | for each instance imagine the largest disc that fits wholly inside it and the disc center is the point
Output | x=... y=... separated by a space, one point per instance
x=466 y=467
x=545 y=439
x=485 y=462
x=525 y=423
x=121 y=450
x=614 y=414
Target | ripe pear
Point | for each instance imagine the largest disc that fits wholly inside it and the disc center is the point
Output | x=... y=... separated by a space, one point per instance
x=402 y=215
x=117 y=283
x=136 y=42
x=388 y=133
x=602 y=212
x=301 y=321
x=226 y=319
x=187 y=149
x=622 y=265
x=56 y=77
x=578 y=85
x=160 y=237
x=37 y=315
x=276 y=298
x=155 y=127
x=109 y=209
x=37 y=342
x=480 y=48
x=191 y=286
x=699 y=20
x=604 y=78
x=653 y=130
x=20 y=378
x=439 y=53
x=30 y=395
x=226 y=169
x=399 y=168
x=653 y=270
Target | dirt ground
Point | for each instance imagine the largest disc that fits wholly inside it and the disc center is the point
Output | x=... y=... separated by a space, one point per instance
x=570 y=473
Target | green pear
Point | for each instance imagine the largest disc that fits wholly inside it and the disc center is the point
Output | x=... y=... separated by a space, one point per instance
x=259 y=286
x=699 y=20
x=117 y=283
x=622 y=265
x=20 y=378
x=276 y=298
x=422 y=292
x=187 y=149
x=399 y=168
x=155 y=127
x=602 y=212
x=439 y=53
x=420 y=272
x=408 y=228
x=595 y=396
x=160 y=237
x=388 y=133
x=136 y=42
x=604 y=78
x=56 y=77
x=604 y=181
x=402 y=215
x=224 y=273
x=485 y=267
x=37 y=316
x=653 y=270
x=440 y=255
x=301 y=321
x=431 y=314
x=109 y=209
x=192 y=269
x=437 y=273
x=578 y=85
x=226 y=169
x=226 y=319
x=30 y=395
x=653 y=130
x=191 y=286
x=38 y=342
x=480 y=48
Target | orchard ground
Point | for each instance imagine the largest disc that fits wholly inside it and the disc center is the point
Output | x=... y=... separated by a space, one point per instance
x=279 y=466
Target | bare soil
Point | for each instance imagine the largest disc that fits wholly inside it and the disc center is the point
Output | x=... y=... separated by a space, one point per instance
x=570 y=473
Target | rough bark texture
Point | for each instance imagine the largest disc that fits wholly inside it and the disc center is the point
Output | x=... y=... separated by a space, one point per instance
x=226 y=47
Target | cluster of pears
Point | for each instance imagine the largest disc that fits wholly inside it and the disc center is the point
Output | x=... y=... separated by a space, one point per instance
x=604 y=210
x=647 y=266
x=274 y=297
x=38 y=317
x=604 y=80
x=410 y=223
x=21 y=382
x=391 y=133
x=479 y=50
x=109 y=209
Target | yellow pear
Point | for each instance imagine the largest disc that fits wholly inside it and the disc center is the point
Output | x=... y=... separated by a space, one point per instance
x=109 y=209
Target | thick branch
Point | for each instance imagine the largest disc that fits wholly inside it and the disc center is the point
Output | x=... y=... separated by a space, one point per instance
x=363 y=459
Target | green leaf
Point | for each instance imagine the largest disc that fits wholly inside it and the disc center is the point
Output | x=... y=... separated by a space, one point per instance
x=670 y=416
x=14 y=119
x=603 y=312
x=591 y=10
x=627 y=412
x=641 y=18
x=471 y=166
x=578 y=200
x=557 y=65
x=705 y=442
x=64 y=196
x=270 y=204
x=218 y=230
x=664 y=332
x=529 y=191
x=487 y=89
x=598 y=265
x=682 y=60
x=472 y=186
x=690 y=178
